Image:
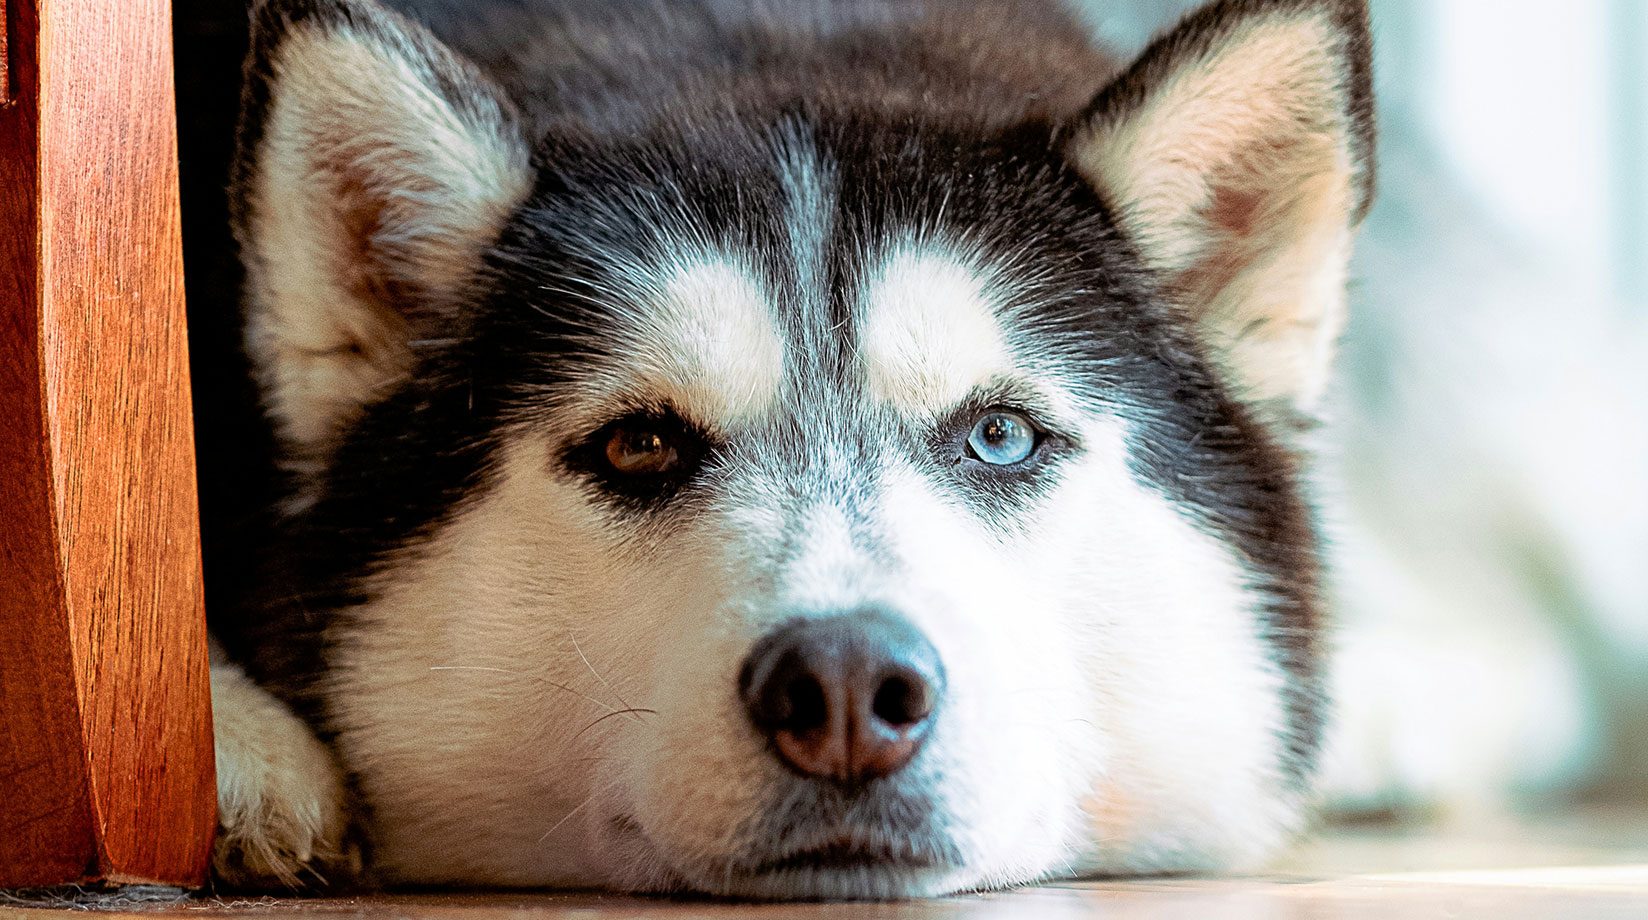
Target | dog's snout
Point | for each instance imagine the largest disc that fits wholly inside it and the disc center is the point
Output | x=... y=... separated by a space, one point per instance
x=848 y=697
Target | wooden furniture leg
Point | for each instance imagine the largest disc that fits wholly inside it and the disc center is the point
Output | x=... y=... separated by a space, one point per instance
x=106 y=770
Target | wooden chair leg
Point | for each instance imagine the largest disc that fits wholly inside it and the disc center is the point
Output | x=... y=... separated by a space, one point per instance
x=106 y=769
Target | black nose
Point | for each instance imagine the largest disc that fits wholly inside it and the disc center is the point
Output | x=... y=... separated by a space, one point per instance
x=847 y=698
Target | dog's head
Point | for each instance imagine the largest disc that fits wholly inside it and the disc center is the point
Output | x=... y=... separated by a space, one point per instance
x=802 y=499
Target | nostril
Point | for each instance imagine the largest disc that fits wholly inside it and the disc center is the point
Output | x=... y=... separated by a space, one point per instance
x=846 y=698
x=808 y=707
x=901 y=701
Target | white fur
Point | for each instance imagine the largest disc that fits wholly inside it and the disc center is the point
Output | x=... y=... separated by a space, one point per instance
x=460 y=688
x=702 y=341
x=1100 y=663
x=1181 y=677
x=930 y=332
x=280 y=800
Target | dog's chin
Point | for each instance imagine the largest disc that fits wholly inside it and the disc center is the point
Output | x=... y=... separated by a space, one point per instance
x=845 y=868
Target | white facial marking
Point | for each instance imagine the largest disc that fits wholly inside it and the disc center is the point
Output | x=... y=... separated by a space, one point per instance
x=459 y=689
x=929 y=331
x=703 y=341
x=1107 y=675
x=1181 y=675
x=1110 y=702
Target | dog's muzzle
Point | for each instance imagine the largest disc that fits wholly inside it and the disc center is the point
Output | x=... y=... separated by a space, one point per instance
x=845 y=698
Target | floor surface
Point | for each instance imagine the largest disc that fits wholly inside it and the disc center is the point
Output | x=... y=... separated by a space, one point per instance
x=1585 y=866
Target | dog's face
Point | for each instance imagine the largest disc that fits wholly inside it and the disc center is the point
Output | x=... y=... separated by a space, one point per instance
x=796 y=503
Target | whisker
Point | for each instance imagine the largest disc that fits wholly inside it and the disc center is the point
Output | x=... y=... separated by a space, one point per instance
x=542 y=680
x=617 y=712
x=566 y=817
x=585 y=659
x=577 y=808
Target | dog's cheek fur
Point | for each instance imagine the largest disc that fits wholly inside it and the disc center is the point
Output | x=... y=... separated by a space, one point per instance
x=465 y=693
x=480 y=696
x=1114 y=706
x=688 y=780
x=1185 y=681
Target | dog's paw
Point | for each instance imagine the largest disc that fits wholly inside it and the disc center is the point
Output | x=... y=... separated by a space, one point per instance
x=281 y=819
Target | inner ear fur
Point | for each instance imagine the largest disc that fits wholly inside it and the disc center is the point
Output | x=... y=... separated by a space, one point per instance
x=1237 y=154
x=373 y=167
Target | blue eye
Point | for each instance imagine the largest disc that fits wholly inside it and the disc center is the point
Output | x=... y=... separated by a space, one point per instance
x=1002 y=438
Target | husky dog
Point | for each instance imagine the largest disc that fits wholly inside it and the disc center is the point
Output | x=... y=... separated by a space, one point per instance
x=827 y=449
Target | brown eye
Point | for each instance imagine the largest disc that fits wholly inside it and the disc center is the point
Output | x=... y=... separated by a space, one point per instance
x=642 y=458
x=642 y=452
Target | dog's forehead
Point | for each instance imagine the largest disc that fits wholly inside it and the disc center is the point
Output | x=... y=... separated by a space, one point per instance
x=704 y=341
x=808 y=296
x=712 y=339
x=929 y=330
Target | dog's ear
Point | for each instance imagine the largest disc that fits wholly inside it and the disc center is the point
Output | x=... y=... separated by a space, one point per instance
x=373 y=167
x=1237 y=154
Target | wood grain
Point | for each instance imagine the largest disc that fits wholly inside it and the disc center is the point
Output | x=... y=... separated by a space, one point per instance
x=5 y=70
x=105 y=731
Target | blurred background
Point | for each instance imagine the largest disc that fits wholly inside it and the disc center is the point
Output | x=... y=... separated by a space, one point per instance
x=1486 y=474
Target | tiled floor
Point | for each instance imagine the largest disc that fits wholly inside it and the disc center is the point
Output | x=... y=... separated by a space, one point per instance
x=1591 y=866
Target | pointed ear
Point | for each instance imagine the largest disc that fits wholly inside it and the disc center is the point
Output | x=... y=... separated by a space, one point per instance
x=373 y=167
x=1237 y=153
